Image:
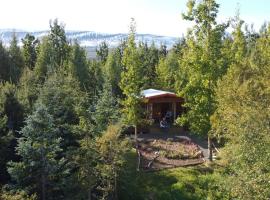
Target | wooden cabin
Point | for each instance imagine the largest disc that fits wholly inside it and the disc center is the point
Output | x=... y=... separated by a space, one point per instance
x=159 y=104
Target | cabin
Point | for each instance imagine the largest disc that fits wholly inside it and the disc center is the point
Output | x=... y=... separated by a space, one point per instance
x=160 y=104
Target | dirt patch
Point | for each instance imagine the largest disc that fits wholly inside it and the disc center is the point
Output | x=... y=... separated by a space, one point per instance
x=159 y=154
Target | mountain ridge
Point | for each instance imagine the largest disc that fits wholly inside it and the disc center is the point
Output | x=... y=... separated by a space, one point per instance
x=91 y=38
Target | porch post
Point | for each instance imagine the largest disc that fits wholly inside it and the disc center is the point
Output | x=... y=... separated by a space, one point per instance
x=174 y=111
x=151 y=110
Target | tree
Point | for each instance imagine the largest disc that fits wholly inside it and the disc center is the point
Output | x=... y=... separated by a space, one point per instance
x=11 y=121
x=4 y=64
x=131 y=81
x=149 y=57
x=166 y=71
x=78 y=66
x=96 y=75
x=106 y=110
x=39 y=148
x=16 y=60
x=59 y=44
x=30 y=50
x=243 y=120
x=44 y=64
x=102 y=52
x=112 y=71
x=201 y=66
x=111 y=149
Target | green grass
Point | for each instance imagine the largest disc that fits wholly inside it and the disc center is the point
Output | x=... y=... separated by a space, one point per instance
x=189 y=183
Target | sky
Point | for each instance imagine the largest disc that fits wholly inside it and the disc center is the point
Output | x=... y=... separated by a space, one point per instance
x=160 y=17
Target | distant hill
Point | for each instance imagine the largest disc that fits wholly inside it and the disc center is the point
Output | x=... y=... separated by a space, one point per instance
x=91 y=39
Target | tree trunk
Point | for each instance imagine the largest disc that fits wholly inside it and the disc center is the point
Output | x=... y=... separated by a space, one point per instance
x=43 y=187
x=115 y=186
x=136 y=145
x=90 y=194
x=136 y=136
x=210 y=152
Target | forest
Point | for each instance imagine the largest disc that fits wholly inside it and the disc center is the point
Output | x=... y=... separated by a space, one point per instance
x=63 y=116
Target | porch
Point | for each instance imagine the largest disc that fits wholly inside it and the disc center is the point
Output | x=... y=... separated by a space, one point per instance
x=160 y=104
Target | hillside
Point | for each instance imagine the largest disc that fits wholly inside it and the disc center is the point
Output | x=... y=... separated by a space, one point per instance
x=90 y=39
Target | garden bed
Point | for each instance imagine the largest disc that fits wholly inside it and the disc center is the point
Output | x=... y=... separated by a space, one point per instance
x=159 y=154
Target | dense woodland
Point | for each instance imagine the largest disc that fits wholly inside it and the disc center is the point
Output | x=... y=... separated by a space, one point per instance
x=62 y=116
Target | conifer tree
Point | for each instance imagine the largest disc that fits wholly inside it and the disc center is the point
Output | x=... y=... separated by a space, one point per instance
x=106 y=110
x=11 y=121
x=59 y=44
x=102 y=52
x=30 y=50
x=78 y=66
x=4 y=64
x=16 y=60
x=112 y=71
x=39 y=146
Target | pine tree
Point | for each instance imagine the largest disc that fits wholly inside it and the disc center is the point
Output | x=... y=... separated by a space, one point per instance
x=78 y=66
x=11 y=121
x=102 y=52
x=16 y=60
x=112 y=71
x=166 y=71
x=59 y=44
x=106 y=110
x=30 y=50
x=44 y=64
x=39 y=146
x=4 y=64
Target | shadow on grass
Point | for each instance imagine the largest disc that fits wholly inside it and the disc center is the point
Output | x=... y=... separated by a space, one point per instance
x=171 y=184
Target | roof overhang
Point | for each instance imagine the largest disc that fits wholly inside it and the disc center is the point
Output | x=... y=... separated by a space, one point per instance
x=152 y=94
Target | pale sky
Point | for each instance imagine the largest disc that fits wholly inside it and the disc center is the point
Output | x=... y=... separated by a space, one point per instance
x=162 y=17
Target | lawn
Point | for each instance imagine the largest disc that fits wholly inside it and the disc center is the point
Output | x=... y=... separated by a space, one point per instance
x=186 y=183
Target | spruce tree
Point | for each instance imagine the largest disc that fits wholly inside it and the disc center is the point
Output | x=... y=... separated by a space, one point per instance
x=16 y=60
x=30 y=50
x=78 y=66
x=40 y=168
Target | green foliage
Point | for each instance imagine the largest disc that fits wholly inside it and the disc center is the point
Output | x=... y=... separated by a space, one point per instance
x=4 y=64
x=11 y=120
x=44 y=63
x=201 y=66
x=107 y=109
x=28 y=89
x=166 y=71
x=15 y=195
x=96 y=76
x=149 y=57
x=53 y=52
x=242 y=118
x=30 y=50
x=40 y=169
x=111 y=150
x=65 y=101
x=102 y=52
x=112 y=70
x=131 y=81
x=78 y=66
x=60 y=47
x=16 y=60
x=189 y=183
